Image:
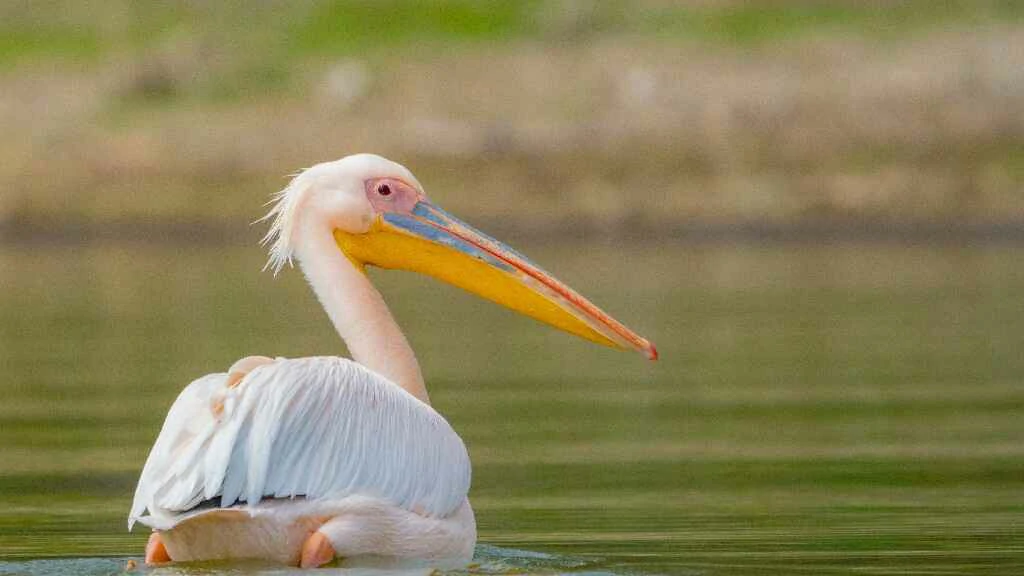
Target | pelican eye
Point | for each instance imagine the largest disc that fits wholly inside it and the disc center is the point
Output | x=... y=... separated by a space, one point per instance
x=383 y=189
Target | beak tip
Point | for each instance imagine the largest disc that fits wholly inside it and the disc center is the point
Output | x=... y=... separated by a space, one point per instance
x=651 y=352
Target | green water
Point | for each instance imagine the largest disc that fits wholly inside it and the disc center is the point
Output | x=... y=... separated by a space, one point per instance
x=836 y=409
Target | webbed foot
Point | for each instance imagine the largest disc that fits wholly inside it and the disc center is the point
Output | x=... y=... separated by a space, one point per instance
x=316 y=551
x=156 y=552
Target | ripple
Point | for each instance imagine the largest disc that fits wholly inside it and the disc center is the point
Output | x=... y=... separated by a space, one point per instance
x=488 y=560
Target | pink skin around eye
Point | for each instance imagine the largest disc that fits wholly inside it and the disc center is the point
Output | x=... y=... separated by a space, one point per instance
x=402 y=197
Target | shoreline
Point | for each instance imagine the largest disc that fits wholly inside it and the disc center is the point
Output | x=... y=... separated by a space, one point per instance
x=22 y=232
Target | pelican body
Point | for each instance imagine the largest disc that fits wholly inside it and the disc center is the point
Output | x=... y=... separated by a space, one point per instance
x=310 y=460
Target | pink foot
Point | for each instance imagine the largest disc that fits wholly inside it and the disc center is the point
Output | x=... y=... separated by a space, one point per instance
x=316 y=551
x=156 y=553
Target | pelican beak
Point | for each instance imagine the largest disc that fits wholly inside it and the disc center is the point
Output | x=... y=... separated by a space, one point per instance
x=430 y=241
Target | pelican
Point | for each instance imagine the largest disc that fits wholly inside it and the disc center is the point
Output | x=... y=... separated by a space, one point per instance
x=312 y=460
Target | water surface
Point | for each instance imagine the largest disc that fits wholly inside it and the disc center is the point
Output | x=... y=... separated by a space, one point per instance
x=832 y=409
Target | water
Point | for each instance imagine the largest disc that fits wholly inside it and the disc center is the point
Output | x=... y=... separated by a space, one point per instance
x=487 y=560
x=830 y=409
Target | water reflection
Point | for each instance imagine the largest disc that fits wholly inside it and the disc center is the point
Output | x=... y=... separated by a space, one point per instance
x=488 y=560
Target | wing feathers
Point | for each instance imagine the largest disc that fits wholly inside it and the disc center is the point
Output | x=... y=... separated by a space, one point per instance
x=313 y=427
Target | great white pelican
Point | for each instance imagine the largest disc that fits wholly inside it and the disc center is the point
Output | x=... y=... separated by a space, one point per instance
x=304 y=461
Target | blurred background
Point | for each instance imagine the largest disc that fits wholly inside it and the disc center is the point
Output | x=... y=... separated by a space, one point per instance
x=815 y=209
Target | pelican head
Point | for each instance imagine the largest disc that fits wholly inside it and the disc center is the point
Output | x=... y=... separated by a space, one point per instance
x=378 y=214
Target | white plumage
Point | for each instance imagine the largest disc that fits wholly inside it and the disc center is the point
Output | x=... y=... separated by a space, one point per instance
x=322 y=428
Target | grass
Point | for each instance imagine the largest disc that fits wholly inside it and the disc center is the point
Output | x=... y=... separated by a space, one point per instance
x=748 y=23
x=274 y=31
x=18 y=45
x=354 y=27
